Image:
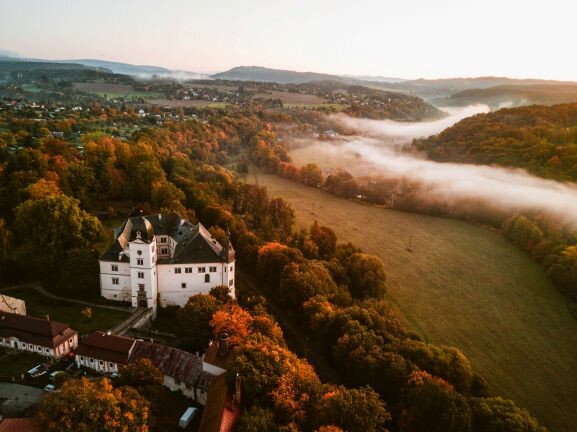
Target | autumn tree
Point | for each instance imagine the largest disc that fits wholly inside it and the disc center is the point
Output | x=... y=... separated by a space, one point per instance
x=93 y=406
x=311 y=175
x=432 y=405
x=325 y=239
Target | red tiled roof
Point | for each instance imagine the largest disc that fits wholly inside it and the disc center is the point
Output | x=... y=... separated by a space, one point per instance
x=106 y=347
x=180 y=365
x=18 y=425
x=34 y=330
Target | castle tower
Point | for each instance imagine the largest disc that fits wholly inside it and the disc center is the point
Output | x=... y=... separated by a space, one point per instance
x=143 y=255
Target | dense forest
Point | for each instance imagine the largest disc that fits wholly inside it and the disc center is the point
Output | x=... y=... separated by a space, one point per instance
x=57 y=175
x=540 y=139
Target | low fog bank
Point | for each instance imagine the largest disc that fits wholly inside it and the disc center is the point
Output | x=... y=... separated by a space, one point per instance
x=375 y=151
x=403 y=132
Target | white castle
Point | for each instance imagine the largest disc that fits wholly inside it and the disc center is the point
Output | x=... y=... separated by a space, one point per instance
x=164 y=259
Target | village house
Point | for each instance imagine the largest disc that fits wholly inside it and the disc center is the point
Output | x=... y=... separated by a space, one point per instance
x=41 y=336
x=184 y=371
x=164 y=259
x=104 y=352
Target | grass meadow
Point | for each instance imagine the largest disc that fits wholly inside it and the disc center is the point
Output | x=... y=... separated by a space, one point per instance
x=464 y=286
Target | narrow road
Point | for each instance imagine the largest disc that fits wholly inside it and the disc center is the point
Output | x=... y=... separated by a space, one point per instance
x=295 y=337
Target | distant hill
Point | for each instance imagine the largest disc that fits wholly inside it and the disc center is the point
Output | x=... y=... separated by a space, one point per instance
x=8 y=64
x=514 y=95
x=263 y=74
x=141 y=71
x=443 y=88
x=137 y=71
x=540 y=139
x=376 y=79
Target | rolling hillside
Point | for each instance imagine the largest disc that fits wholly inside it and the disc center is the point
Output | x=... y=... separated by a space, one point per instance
x=464 y=286
x=263 y=74
x=513 y=95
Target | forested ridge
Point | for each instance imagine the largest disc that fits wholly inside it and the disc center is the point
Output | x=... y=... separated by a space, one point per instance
x=540 y=139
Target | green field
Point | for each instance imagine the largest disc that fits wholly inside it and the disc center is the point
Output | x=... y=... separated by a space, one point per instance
x=40 y=306
x=464 y=286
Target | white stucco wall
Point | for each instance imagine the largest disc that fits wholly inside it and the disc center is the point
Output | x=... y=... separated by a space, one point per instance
x=61 y=350
x=96 y=364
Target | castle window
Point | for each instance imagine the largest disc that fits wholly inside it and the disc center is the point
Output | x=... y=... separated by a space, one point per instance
x=164 y=251
x=183 y=285
x=114 y=267
x=101 y=362
x=140 y=275
x=139 y=261
x=110 y=364
x=115 y=281
x=230 y=268
x=202 y=269
x=141 y=287
x=177 y=270
x=212 y=269
x=206 y=278
x=188 y=270
x=230 y=282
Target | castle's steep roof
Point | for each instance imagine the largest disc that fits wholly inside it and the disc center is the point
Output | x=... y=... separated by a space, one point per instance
x=194 y=243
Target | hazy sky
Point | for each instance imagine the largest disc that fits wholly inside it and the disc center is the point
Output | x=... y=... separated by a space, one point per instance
x=400 y=38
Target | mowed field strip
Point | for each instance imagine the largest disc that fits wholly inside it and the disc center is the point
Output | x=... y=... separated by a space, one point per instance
x=467 y=287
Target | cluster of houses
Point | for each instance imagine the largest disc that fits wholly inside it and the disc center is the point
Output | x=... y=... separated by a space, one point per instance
x=107 y=353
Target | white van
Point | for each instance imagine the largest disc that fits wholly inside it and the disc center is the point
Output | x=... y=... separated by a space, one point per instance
x=187 y=417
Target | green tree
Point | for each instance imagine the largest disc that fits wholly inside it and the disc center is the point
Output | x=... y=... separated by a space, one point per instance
x=257 y=419
x=367 y=276
x=501 y=415
x=54 y=225
x=93 y=406
x=144 y=377
x=192 y=321
x=353 y=410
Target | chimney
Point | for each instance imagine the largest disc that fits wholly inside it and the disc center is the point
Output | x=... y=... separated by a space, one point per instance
x=223 y=344
x=237 y=390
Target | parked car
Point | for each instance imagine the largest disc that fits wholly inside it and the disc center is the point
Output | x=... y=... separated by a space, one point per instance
x=36 y=371
x=49 y=388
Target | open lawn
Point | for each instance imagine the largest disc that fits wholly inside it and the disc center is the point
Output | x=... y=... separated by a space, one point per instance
x=187 y=103
x=40 y=306
x=292 y=98
x=115 y=90
x=464 y=286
